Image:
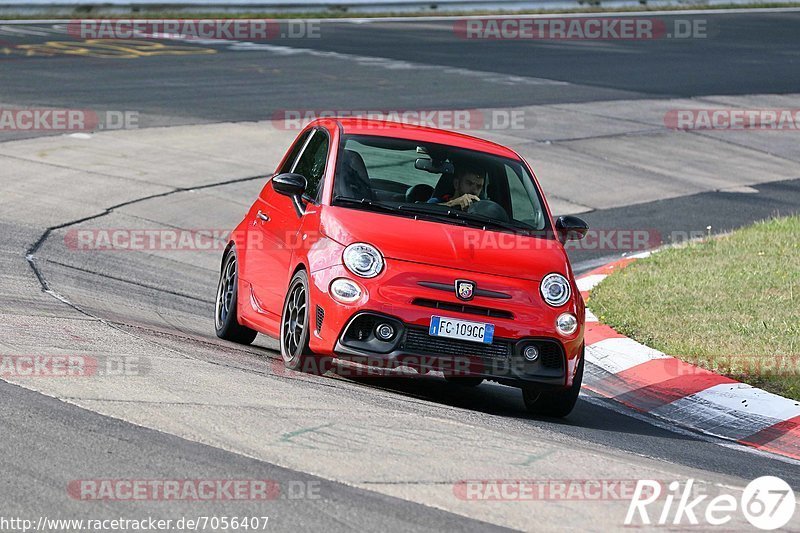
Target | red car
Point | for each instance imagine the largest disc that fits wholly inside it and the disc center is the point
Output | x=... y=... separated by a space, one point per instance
x=395 y=245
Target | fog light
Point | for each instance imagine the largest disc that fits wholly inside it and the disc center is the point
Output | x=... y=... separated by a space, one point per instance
x=345 y=290
x=567 y=324
x=531 y=353
x=384 y=331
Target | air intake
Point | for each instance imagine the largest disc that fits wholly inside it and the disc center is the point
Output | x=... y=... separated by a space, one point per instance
x=320 y=317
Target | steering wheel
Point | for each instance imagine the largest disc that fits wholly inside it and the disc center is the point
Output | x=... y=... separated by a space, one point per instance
x=490 y=209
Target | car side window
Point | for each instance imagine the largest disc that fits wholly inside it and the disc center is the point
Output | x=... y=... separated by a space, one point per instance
x=311 y=163
x=522 y=203
x=298 y=145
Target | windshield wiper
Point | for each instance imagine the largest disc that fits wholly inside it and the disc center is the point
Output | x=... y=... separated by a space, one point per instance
x=398 y=210
x=466 y=217
x=493 y=222
x=366 y=204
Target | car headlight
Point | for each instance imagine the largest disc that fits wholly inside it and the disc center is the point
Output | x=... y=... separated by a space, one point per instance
x=363 y=260
x=555 y=289
x=567 y=324
x=345 y=290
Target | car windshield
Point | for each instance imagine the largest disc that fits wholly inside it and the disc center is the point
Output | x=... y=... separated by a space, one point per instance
x=446 y=183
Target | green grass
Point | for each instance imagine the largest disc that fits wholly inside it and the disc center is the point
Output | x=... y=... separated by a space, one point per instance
x=730 y=304
x=89 y=12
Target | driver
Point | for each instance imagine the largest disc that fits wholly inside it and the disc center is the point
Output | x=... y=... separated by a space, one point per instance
x=467 y=184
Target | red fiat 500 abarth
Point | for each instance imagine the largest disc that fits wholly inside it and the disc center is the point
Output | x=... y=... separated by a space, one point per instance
x=397 y=245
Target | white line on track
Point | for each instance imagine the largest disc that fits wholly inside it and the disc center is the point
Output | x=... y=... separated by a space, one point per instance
x=395 y=64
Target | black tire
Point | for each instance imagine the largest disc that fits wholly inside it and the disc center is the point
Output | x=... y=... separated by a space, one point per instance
x=467 y=381
x=296 y=329
x=226 y=320
x=555 y=404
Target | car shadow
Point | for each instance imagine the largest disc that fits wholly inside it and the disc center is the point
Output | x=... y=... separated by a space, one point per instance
x=599 y=415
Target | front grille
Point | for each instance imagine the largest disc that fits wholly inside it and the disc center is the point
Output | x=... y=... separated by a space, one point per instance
x=320 y=317
x=418 y=341
x=462 y=308
x=551 y=355
x=361 y=328
x=449 y=287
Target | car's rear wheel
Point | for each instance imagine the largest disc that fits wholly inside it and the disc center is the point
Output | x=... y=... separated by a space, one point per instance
x=226 y=321
x=554 y=403
x=296 y=328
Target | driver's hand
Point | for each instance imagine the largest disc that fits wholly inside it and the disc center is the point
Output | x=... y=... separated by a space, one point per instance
x=463 y=201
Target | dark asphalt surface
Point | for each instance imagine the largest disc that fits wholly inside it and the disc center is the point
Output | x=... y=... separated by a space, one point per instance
x=742 y=55
x=739 y=55
x=68 y=444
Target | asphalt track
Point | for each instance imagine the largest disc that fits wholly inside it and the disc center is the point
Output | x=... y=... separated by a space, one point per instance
x=151 y=304
x=741 y=54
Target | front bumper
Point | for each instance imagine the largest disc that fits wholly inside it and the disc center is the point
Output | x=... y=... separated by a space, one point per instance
x=412 y=346
x=402 y=295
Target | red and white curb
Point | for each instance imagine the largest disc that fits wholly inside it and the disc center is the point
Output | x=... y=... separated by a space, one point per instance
x=681 y=393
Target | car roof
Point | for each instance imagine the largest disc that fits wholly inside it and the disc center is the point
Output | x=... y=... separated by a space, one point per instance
x=399 y=130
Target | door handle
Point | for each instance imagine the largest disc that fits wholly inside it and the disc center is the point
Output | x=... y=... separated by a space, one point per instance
x=262 y=216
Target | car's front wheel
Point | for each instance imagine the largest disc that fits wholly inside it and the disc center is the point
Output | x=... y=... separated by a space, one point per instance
x=226 y=322
x=296 y=328
x=554 y=403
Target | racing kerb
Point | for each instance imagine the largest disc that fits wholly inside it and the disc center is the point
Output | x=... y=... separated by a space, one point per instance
x=680 y=393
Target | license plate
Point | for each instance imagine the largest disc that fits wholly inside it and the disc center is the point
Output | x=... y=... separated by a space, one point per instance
x=464 y=330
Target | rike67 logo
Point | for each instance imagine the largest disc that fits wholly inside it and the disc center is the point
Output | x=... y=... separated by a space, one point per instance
x=767 y=502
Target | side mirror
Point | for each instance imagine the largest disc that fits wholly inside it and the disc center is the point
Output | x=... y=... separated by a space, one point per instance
x=289 y=184
x=571 y=228
x=293 y=186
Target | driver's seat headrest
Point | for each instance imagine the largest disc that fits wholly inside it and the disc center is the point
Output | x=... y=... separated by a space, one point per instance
x=352 y=179
x=444 y=186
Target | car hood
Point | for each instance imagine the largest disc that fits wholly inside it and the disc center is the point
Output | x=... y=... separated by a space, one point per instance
x=446 y=245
